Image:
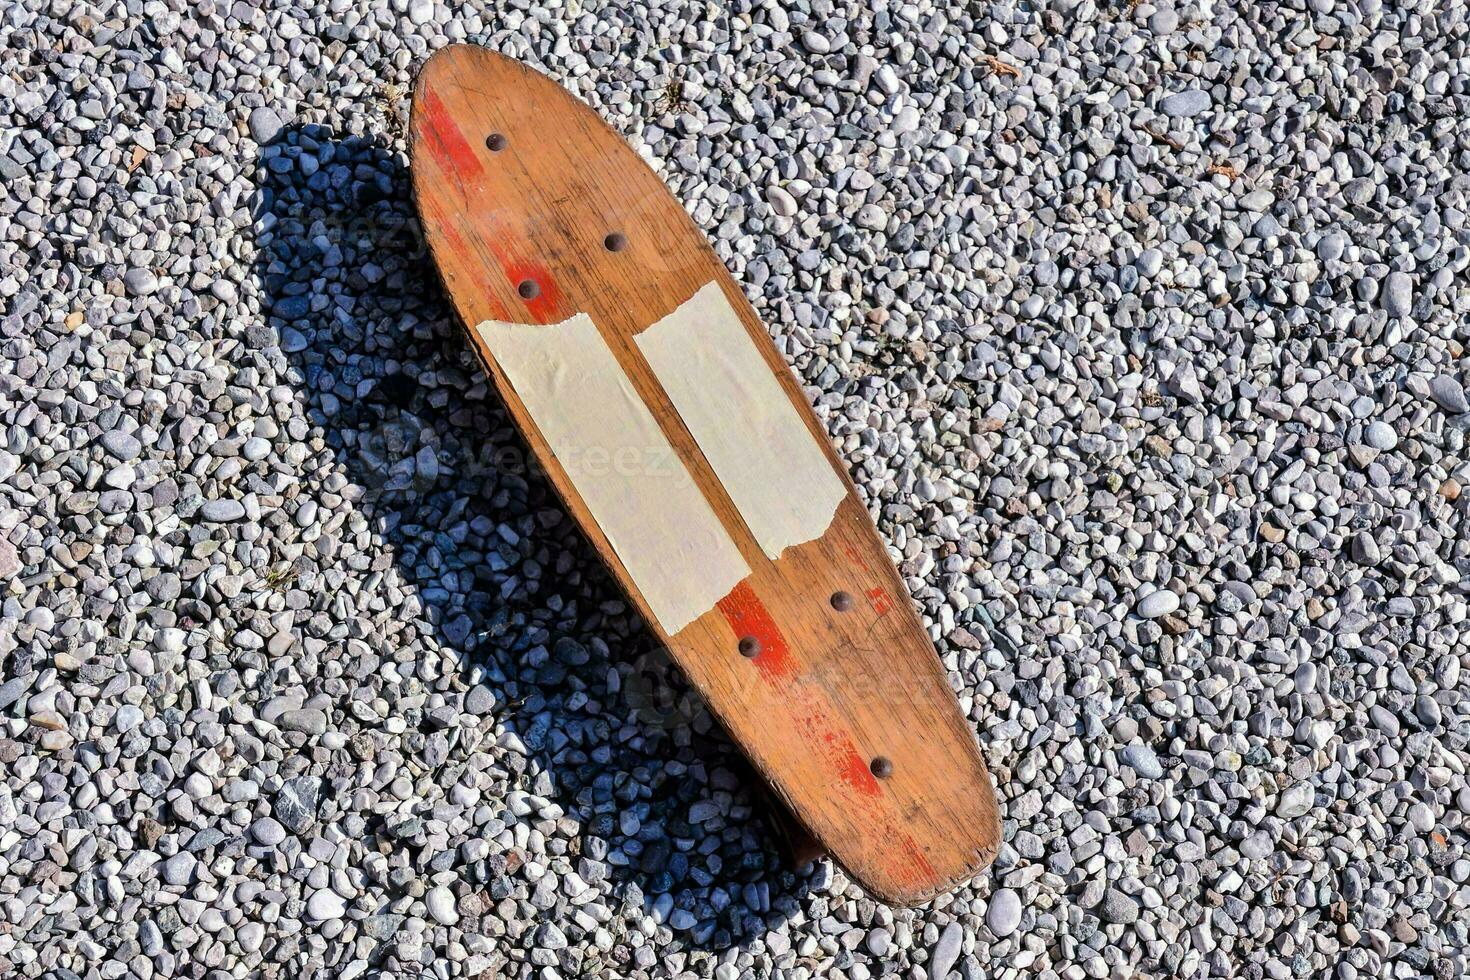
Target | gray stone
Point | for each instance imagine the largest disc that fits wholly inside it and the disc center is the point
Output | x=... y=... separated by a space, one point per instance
x=1189 y=103
x=1142 y=760
x=1449 y=394
x=1160 y=602
x=267 y=832
x=140 y=282
x=222 y=510
x=1003 y=914
x=1398 y=294
x=265 y=125
x=945 y=952
x=325 y=904
x=1118 y=908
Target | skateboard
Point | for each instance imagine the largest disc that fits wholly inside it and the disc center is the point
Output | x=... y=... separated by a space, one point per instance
x=677 y=436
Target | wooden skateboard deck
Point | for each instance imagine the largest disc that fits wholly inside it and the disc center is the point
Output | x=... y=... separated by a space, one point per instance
x=679 y=439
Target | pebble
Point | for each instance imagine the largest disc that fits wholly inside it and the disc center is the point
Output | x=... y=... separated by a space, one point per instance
x=121 y=445
x=325 y=904
x=140 y=282
x=1160 y=602
x=1118 y=908
x=441 y=905
x=945 y=952
x=265 y=125
x=267 y=832
x=1003 y=914
x=1142 y=760
x=1449 y=394
x=222 y=510
x=1380 y=435
x=1398 y=294
x=1189 y=103
x=1295 y=801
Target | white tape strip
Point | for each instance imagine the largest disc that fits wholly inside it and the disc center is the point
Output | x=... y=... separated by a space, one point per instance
x=743 y=420
x=663 y=530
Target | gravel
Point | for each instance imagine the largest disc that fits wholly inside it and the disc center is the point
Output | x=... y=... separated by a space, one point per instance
x=1140 y=327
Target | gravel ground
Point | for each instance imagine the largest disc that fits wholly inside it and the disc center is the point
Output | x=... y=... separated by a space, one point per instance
x=1140 y=326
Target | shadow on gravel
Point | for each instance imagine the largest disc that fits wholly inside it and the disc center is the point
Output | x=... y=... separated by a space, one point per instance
x=466 y=547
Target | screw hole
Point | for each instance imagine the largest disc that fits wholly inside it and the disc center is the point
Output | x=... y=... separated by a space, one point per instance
x=615 y=242
x=881 y=767
x=529 y=289
x=749 y=646
x=841 y=601
x=496 y=142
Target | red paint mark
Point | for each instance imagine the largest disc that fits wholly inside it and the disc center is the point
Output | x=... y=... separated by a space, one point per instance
x=837 y=746
x=544 y=306
x=747 y=616
x=452 y=151
x=854 y=557
x=461 y=250
x=855 y=771
x=456 y=157
x=879 y=598
x=911 y=850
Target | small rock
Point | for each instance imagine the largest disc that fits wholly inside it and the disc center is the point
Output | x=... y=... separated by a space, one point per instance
x=1398 y=294
x=1380 y=435
x=325 y=904
x=267 y=831
x=1143 y=760
x=1191 y=102
x=440 y=903
x=222 y=510
x=265 y=125
x=140 y=282
x=1118 y=908
x=1449 y=394
x=1003 y=914
x=945 y=952
x=1295 y=801
x=1160 y=602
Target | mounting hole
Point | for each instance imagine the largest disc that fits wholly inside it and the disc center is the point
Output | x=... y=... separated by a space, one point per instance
x=841 y=601
x=615 y=242
x=749 y=646
x=881 y=767
x=529 y=289
x=496 y=142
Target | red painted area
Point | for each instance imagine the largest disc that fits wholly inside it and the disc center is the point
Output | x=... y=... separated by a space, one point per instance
x=747 y=616
x=917 y=858
x=838 y=747
x=855 y=771
x=879 y=598
x=452 y=151
x=854 y=557
x=545 y=306
x=456 y=157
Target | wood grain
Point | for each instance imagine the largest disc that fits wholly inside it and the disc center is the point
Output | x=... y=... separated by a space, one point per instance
x=848 y=714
